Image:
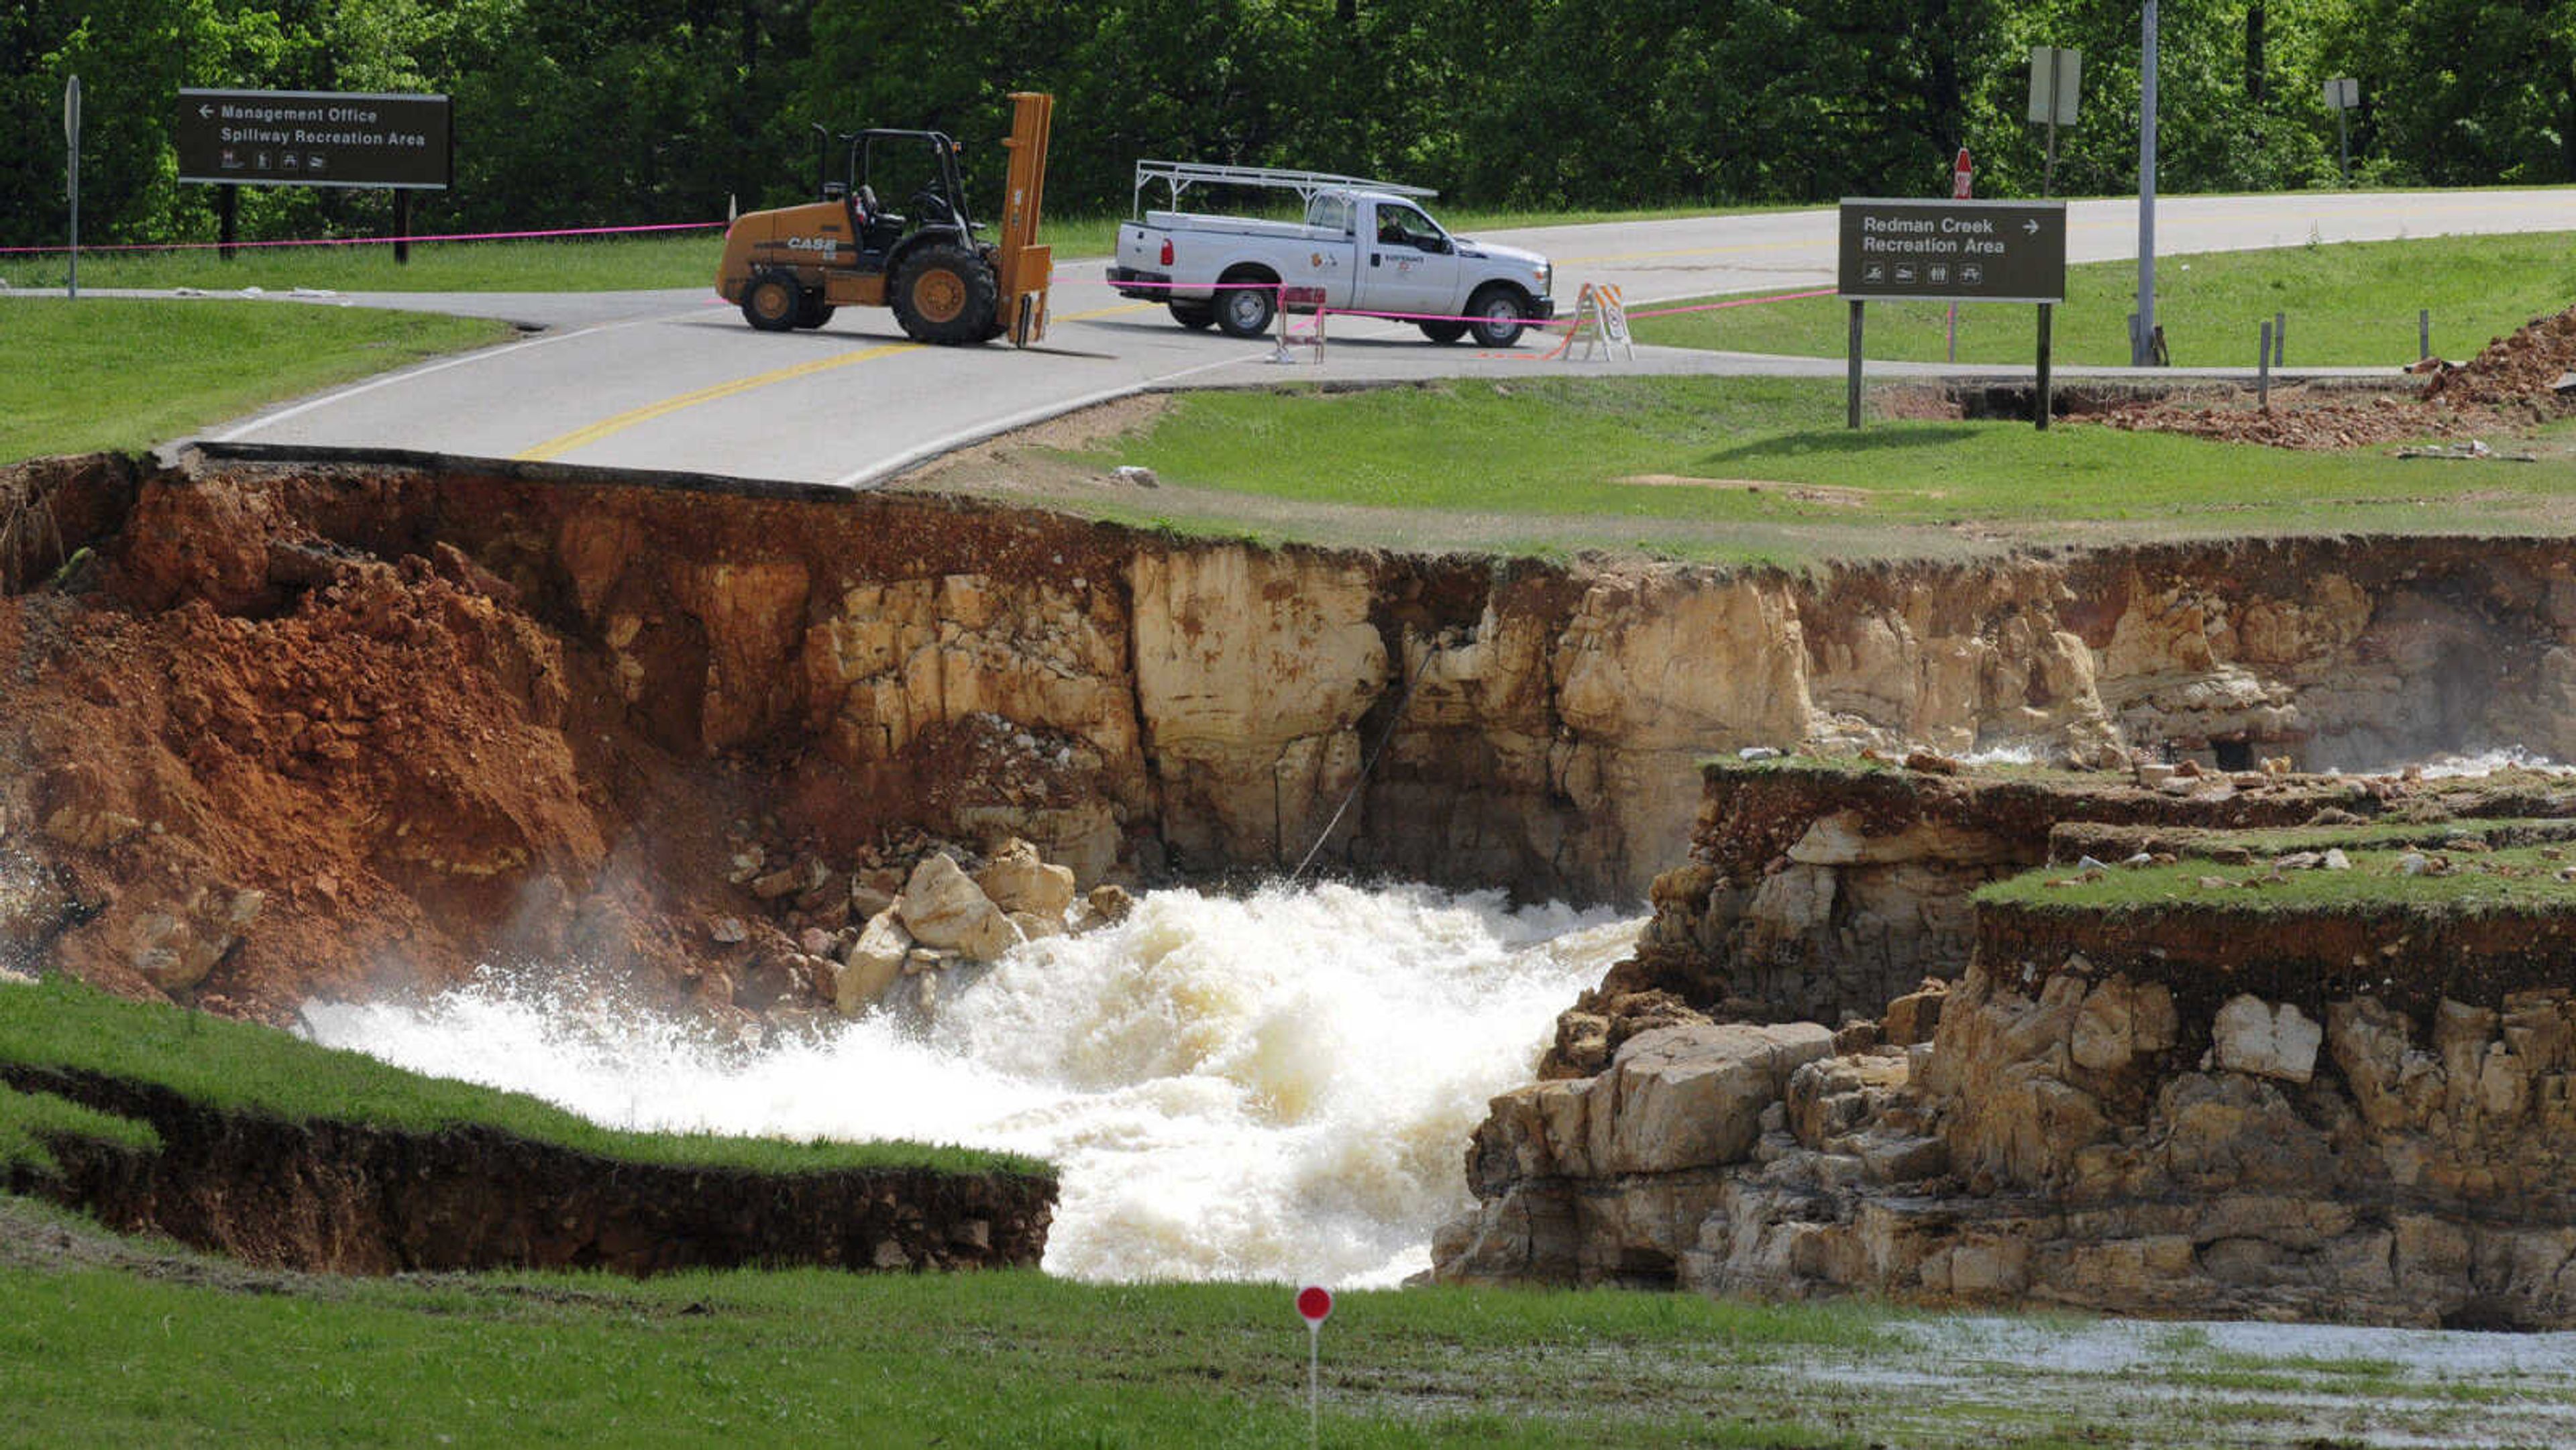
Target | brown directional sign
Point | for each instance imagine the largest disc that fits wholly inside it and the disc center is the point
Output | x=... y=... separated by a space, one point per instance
x=315 y=138
x=1894 y=249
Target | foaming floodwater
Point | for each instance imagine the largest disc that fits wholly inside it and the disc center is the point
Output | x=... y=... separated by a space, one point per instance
x=2446 y=767
x=1272 y=1087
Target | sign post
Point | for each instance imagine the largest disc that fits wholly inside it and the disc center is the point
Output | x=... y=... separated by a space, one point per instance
x=1961 y=189
x=71 y=172
x=1314 y=1305
x=2056 y=75
x=2142 y=345
x=2342 y=94
x=1900 y=249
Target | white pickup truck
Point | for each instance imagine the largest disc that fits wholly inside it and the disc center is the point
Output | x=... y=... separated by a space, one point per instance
x=1364 y=243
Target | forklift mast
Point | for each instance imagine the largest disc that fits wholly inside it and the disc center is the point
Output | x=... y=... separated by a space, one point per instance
x=1027 y=269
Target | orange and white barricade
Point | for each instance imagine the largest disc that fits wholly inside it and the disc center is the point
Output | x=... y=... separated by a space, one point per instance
x=1600 y=321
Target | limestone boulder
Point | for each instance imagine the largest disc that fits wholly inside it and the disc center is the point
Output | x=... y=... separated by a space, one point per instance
x=2119 y=1021
x=944 y=909
x=1832 y=1096
x=872 y=964
x=175 y=945
x=2252 y=1036
x=1533 y=1132
x=1693 y=1096
x=1017 y=881
x=1915 y=1016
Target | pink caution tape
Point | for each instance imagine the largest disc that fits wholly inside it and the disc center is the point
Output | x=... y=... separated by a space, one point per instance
x=377 y=241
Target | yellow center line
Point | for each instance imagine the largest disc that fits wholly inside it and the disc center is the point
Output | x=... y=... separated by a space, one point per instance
x=583 y=437
x=1687 y=252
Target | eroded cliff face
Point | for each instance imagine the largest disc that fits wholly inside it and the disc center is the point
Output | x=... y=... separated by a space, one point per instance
x=353 y=1198
x=2187 y=1106
x=2135 y=1144
x=293 y=723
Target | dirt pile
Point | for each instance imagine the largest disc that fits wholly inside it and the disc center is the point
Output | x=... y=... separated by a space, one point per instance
x=2512 y=383
x=248 y=762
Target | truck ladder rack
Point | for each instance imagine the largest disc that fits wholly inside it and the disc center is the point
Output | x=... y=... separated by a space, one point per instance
x=1180 y=176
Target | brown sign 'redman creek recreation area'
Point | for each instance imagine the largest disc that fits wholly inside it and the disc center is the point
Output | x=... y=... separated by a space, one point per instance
x=1895 y=250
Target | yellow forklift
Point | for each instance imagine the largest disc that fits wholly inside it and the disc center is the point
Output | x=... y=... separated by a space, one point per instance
x=791 y=267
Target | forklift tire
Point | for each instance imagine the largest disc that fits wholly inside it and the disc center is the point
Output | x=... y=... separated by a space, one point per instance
x=1196 y=316
x=812 y=310
x=946 y=295
x=773 y=302
x=1246 y=311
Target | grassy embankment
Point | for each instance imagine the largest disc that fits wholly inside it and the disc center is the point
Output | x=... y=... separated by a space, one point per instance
x=1756 y=469
x=2521 y=879
x=242 y=1068
x=123 y=374
x=2352 y=304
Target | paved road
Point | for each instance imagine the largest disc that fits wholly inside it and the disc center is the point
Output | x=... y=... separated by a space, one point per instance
x=675 y=380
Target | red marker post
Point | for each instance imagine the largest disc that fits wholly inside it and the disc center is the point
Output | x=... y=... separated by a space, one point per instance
x=1314 y=1305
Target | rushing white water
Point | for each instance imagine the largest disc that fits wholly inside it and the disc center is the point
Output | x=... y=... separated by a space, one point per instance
x=2512 y=757
x=1273 y=1087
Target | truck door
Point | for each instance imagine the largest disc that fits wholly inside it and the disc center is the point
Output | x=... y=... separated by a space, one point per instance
x=1407 y=263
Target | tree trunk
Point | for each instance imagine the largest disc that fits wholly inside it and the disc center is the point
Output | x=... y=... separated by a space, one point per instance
x=2254 y=78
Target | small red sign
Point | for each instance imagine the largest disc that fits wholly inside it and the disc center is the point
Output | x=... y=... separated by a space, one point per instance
x=1959 y=176
x=1315 y=1305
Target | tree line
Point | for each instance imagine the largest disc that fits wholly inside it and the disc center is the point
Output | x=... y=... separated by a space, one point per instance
x=610 y=112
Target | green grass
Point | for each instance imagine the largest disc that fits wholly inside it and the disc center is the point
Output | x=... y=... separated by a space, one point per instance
x=673 y=259
x=177 y=1349
x=122 y=374
x=1006 y=1358
x=2518 y=880
x=2199 y=843
x=2351 y=304
x=1683 y=465
x=242 y=1067
x=27 y=1119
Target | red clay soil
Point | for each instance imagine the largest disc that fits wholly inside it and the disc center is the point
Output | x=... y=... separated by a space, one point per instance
x=407 y=773
x=2511 y=384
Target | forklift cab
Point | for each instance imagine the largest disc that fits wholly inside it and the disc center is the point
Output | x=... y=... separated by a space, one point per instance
x=919 y=165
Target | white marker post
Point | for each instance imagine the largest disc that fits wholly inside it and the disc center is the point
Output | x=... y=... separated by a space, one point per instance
x=1314 y=1305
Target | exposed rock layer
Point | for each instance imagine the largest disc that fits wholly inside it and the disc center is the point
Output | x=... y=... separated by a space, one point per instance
x=2187 y=1108
x=349 y=1198
x=332 y=725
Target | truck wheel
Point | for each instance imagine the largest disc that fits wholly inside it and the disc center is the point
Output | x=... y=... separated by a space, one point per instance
x=1194 y=315
x=812 y=310
x=1444 y=331
x=772 y=302
x=946 y=295
x=1246 y=311
x=1499 y=315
